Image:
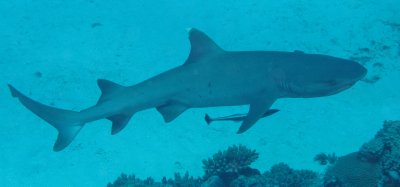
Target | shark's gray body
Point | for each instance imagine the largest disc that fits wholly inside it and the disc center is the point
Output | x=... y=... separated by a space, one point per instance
x=209 y=77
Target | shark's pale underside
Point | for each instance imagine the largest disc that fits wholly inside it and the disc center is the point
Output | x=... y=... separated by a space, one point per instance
x=210 y=77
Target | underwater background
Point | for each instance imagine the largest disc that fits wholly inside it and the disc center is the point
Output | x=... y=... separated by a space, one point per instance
x=54 y=51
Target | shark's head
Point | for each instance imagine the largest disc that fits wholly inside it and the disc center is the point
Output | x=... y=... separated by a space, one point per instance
x=322 y=75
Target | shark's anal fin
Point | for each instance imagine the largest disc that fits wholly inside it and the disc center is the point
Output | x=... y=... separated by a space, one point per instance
x=107 y=88
x=256 y=111
x=201 y=46
x=119 y=122
x=171 y=110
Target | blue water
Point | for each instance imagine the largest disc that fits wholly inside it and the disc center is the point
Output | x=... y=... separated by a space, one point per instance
x=56 y=50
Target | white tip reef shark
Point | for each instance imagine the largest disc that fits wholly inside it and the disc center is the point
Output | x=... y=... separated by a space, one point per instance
x=210 y=77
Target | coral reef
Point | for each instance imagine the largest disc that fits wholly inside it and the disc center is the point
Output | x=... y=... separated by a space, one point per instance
x=178 y=181
x=230 y=168
x=372 y=151
x=324 y=159
x=376 y=163
x=349 y=170
x=185 y=181
x=384 y=149
x=282 y=175
x=250 y=181
x=231 y=163
x=131 y=181
x=279 y=175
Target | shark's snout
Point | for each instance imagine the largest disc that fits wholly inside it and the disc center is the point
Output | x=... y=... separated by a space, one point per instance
x=359 y=71
x=363 y=72
x=353 y=73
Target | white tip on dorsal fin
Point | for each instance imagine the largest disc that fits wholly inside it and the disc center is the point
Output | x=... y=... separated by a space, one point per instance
x=201 y=45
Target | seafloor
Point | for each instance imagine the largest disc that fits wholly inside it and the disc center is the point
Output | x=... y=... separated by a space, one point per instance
x=55 y=50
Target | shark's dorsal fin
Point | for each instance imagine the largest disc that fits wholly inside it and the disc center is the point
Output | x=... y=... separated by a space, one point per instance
x=201 y=45
x=107 y=88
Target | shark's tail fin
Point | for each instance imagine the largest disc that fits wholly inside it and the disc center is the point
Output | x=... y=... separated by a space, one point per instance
x=65 y=121
x=208 y=119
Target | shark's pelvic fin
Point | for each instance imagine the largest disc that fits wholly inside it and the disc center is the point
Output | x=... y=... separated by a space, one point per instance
x=107 y=88
x=256 y=111
x=201 y=45
x=65 y=121
x=172 y=110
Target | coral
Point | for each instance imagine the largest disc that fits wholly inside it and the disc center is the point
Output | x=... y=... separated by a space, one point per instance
x=371 y=151
x=376 y=164
x=213 y=181
x=229 y=168
x=324 y=159
x=390 y=135
x=349 y=170
x=178 y=181
x=131 y=181
x=282 y=175
x=231 y=163
x=185 y=181
x=250 y=181
x=279 y=175
x=385 y=149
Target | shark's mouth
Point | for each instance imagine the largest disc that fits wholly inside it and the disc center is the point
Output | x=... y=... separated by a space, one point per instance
x=345 y=86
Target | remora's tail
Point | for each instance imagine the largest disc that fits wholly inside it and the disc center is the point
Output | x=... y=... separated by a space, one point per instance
x=65 y=121
x=208 y=119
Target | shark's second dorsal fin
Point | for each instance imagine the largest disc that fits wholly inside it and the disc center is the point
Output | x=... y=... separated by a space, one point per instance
x=107 y=88
x=201 y=45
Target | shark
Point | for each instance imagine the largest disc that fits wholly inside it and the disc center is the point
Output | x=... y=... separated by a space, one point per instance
x=210 y=77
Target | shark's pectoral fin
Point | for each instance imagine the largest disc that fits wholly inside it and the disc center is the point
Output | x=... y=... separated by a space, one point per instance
x=119 y=122
x=256 y=111
x=171 y=111
x=107 y=88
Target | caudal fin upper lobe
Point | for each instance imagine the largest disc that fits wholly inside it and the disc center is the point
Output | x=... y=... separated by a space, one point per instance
x=66 y=122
